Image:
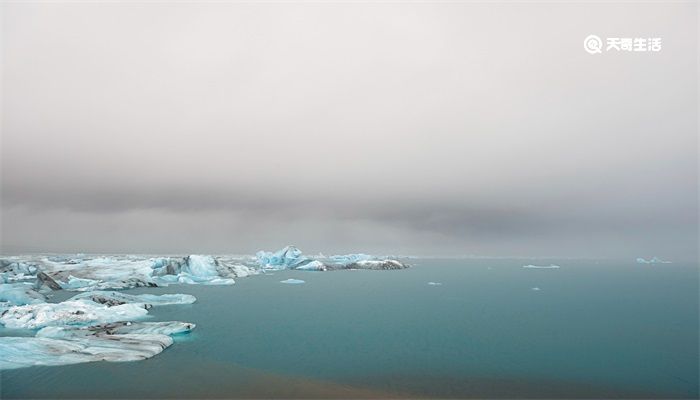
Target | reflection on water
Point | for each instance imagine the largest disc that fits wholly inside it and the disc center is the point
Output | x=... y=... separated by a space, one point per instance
x=592 y=330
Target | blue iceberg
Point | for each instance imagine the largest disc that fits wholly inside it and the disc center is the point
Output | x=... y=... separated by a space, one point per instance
x=289 y=257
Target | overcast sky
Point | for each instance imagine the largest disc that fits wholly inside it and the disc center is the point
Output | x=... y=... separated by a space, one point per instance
x=418 y=128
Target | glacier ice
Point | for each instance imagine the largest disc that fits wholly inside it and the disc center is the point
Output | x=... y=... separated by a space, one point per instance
x=20 y=294
x=288 y=257
x=117 y=328
x=117 y=298
x=88 y=309
x=18 y=352
x=314 y=265
x=292 y=281
x=376 y=264
x=551 y=266
x=350 y=258
x=291 y=257
x=653 y=260
x=101 y=324
x=71 y=312
x=198 y=269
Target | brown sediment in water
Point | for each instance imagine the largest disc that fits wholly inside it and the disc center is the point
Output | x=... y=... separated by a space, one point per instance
x=210 y=380
x=476 y=387
x=220 y=380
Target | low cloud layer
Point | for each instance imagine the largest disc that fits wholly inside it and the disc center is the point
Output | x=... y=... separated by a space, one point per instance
x=412 y=129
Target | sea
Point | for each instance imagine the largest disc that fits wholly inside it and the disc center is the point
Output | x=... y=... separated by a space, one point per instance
x=443 y=328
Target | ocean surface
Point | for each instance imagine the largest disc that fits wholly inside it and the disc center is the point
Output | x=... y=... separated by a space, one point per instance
x=485 y=328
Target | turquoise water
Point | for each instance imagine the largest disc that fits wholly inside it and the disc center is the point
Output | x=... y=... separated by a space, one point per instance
x=594 y=329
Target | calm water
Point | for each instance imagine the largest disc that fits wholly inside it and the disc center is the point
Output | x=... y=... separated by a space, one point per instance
x=592 y=330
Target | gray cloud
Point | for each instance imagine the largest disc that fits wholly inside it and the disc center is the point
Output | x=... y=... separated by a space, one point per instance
x=415 y=128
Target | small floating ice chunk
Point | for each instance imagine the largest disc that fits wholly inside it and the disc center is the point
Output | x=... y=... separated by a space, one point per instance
x=292 y=281
x=536 y=289
x=551 y=266
x=653 y=260
x=434 y=283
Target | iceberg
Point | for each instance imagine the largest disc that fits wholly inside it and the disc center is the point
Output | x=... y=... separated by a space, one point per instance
x=653 y=260
x=434 y=283
x=293 y=281
x=350 y=258
x=551 y=266
x=117 y=298
x=119 y=328
x=99 y=273
x=289 y=257
x=314 y=265
x=198 y=269
x=14 y=271
x=377 y=265
x=67 y=313
x=100 y=324
x=18 y=352
x=20 y=294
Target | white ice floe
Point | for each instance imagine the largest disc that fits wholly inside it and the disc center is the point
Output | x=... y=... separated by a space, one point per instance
x=653 y=260
x=117 y=328
x=18 y=352
x=434 y=283
x=551 y=266
x=535 y=289
x=88 y=309
x=72 y=312
x=116 y=298
x=292 y=281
